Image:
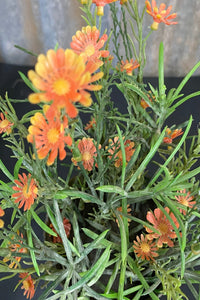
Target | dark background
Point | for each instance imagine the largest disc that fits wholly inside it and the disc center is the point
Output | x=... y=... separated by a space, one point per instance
x=11 y=82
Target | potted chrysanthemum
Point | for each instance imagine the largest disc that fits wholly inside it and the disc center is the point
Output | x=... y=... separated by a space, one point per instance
x=122 y=221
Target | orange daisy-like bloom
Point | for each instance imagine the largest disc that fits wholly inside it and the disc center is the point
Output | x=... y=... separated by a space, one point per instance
x=67 y=227
x=115 y=150
x=144 y=248
x=128 y=212
x=160 y=14
x=87 y=44
x=87 y=151
x=15 y=248
x=100 y=5
x=2 y=213
x=48 y=134
x=162 y=224
x=5 y=125
x=91 y=124
x=26 y=191
x=185 y=199
x=172 y=135
x=143 y=103
x=129 y=66
x=63 y=79
x=27 y=285
x=123 y=1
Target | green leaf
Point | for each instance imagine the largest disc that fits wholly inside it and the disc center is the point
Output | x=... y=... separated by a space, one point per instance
x=86 y=278
x=5 y=187
x=123 y=156
x=159 y=172
x=25 y=50
x=185 y=79
x=30 y=243
x=112 y=189
x=145 y=162
x=94 y=244
x=162 y=87
x=77 y=195
x=28 y=82
x=5 y=171
x=17 y=167
x=44 y=227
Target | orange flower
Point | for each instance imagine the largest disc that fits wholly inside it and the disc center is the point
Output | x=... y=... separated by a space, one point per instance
x=15 y=248
x=2 y=213
x=160 y=14
x=87 y=44
x=67 y=227
x=123 y=1
x=100 y=5
x=171 y=135
x=27 y=285
x=129 y=66
x=91 y=124
x=5 y=125
x=48 y=134
x=144 y=248
x=114 y=149
x=87 y=151
x=185 y=200
x=143 y=103
x=128 y=212
x=162 y=224
x=26 y=191
x=63 y=79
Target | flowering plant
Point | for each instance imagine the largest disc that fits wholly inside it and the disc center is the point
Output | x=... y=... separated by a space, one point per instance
x=123 y=221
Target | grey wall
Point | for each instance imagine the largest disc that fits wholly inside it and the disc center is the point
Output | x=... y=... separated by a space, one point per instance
x=38 y=25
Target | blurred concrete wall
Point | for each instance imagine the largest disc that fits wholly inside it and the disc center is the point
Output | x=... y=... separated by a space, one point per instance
x=38 y=25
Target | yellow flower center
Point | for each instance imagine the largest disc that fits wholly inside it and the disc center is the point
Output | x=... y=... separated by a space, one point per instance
x=61 y=86
x=163 y=228
x=1 y=223
x=26 y=285
x=158 y=16
x=89 y=50
x=184 y=201
x=154 y=26
x=145 y=247
x=26 y=193
x=4 y=123
x=86 y=156
x=53 y=135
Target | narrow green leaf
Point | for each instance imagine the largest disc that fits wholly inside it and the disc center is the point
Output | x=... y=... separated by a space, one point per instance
x=186 y=78
x=159 y=172
x=52 y=218
x=17 y=167
x=112 y=189
x=13 y=216
x=102 y=268
x=145 y=162
x=77 y=195
x=5 y=171
x=27 y=82
x=41 y=223
x=161 y=72
x=5 y=187
x=30 y=243
x=85 y=279
x=123 y=156
x=25 y=50
x=92 y=245
x=62 y=233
